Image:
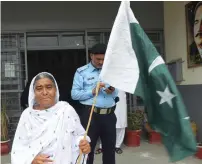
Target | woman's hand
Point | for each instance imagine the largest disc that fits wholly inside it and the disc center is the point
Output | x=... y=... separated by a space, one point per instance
x=41 y=159
x=84 y=146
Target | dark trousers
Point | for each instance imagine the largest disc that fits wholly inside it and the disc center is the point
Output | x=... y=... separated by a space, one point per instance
x=102 y=126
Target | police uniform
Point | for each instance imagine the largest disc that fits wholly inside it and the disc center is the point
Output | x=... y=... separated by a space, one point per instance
x=103 y=124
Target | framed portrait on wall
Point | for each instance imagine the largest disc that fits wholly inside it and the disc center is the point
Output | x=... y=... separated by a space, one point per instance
x=194 y=33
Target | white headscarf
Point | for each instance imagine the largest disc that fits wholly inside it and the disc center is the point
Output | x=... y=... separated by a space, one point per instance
x=31 y=98
x=55 y=131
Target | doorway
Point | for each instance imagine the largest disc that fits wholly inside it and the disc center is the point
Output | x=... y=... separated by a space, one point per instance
x=62 y=64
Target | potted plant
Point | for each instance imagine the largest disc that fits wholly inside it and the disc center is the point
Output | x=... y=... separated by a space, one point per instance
x=199 y=151
x=153 y=136
x=199 y=145
x=134 y=129
x=5 y=142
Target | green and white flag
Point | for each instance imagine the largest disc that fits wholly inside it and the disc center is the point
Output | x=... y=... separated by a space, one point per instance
x=132 y=64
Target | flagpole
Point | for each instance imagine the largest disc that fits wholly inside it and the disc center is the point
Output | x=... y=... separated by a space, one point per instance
x=89 y=120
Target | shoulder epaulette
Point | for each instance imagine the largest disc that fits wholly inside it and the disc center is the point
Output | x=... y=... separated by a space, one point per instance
x=82 y=68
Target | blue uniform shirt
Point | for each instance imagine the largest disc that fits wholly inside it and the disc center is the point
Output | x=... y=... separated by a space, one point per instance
x=85 y=80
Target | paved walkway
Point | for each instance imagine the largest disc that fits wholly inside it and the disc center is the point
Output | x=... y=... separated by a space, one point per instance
x=145 y=154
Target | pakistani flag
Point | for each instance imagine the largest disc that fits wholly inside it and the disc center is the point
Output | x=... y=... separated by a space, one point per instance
x=132 y=64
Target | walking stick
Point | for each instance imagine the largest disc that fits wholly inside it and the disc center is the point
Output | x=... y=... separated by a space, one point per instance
x=89 y=120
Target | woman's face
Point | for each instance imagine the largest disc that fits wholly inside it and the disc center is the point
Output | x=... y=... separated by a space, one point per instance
x=45 y=93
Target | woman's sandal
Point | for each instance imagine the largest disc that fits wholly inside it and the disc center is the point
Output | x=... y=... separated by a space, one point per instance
x=118 y=150
x=98 y=151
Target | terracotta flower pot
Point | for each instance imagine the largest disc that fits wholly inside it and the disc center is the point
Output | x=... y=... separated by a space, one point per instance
x=5 y=147
x=132 y=138
x=154 y=137
x=199 y=152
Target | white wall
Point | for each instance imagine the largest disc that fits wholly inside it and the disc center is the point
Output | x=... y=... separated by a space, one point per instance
x=176 y=40
x=75 y=15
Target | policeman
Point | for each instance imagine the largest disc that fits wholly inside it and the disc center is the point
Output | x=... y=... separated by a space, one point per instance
x=103 y=122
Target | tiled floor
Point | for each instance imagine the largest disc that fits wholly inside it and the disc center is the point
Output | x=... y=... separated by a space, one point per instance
x=145 y=154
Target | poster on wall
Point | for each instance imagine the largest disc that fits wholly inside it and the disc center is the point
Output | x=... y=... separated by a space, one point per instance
x=194 y=33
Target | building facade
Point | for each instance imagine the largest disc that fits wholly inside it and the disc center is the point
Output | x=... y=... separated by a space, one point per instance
x=57 y=37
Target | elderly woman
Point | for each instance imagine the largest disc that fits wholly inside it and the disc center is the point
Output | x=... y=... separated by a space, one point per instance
x=49 y=130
